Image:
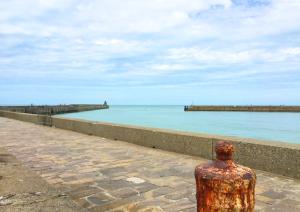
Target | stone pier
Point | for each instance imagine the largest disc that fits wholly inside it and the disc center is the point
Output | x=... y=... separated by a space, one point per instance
x=54 y=109
x=243 y=108
x=106 y=175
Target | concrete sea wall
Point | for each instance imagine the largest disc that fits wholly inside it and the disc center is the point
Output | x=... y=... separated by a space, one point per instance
x=242 y=108
x=275 y=157
x=33 y=118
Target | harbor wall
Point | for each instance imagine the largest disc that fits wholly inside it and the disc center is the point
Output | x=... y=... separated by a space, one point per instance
x=251 y=108
x=33 y=118
x=54 y=109
x=276 y=157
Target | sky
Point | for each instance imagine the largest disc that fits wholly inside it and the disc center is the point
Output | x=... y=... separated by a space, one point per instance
x=150 y=52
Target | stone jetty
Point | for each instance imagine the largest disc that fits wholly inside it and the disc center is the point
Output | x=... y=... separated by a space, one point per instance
x=54 y=109
x=246 y=108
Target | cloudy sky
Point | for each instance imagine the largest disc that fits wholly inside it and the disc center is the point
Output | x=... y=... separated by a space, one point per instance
x=150 y=51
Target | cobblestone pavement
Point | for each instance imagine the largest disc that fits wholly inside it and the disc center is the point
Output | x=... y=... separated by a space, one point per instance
x=106 y=175
x=21 y=190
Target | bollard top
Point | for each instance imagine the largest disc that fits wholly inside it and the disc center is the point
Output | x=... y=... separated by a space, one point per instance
x=224 y=168
x=224 y=150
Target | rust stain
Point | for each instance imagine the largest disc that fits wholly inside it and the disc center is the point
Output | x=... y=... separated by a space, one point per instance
x=222 y=185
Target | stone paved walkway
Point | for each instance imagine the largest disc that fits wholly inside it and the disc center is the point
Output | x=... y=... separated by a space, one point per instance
x=21 y=190
x=105 y=175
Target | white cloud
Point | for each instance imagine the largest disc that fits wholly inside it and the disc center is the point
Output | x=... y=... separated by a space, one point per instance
x=140 y=38
x=281 y=16
x=190 y=19
x=232 y=56
x=119 y=45
x=168 y=67
x=28 y=9
x=105 y=16
x=141 y=16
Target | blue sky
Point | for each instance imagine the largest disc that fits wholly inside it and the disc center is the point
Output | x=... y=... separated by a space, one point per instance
x=150 y=52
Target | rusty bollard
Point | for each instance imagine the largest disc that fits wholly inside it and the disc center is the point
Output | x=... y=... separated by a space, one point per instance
x=222 y=185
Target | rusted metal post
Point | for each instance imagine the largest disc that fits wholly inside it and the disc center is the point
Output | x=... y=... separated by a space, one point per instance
x=222 y=185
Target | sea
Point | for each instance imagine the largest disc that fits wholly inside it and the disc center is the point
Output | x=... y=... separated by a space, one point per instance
x=273 y=126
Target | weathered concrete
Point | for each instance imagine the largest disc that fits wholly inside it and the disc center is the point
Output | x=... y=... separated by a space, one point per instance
x=107 y=175
x=277 y=157
x=33 y=118
x=24 y=191
x=252 y=108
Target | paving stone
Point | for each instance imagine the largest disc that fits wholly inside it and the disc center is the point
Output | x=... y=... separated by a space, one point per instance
x=124 y=192
x=193 y=209
x=273 y=194
x=151 y=203
x=162 y=191
x=113 y=184
x=96 y=200
x=100 y=198
x=291 y=202
x=259 y=205
x=113 y=171
x=182 y=204
x=280 y=208
x=177 y=195
x=144 y=187
x=118 y=203
x=83 y=192
x=83 y=203
x=265 y=199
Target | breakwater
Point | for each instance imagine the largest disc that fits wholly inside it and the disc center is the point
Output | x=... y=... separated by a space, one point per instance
x=251 y=108
x=277 y=157
x=54 y=109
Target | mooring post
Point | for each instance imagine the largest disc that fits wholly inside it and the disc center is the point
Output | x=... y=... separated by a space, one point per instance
x=222 y=185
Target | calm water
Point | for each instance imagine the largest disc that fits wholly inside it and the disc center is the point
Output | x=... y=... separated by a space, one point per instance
x=271 y=126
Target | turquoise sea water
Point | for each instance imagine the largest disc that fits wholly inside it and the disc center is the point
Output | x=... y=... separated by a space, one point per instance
x=260 y=125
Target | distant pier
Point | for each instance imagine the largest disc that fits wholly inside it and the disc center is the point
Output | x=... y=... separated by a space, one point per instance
x=251 y=108
x=54 y=109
